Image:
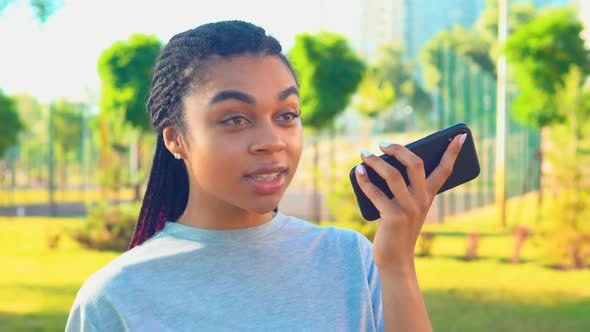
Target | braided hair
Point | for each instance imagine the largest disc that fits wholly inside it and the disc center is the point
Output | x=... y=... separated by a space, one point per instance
x=181 y=63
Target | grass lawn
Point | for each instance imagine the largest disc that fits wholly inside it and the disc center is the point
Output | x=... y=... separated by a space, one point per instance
x=41 y=196
x=38 y=285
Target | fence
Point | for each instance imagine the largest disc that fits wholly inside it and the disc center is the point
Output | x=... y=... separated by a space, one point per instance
x=468 y=94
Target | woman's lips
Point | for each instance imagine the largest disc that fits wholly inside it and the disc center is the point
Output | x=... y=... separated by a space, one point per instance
x=267 y=187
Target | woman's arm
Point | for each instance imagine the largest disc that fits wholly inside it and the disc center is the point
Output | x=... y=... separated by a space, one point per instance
x=399 y=227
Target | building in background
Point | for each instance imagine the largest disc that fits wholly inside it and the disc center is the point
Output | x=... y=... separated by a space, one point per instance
x=382 y=22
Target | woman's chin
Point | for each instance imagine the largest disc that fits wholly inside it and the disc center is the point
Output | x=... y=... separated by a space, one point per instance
x=267 y=207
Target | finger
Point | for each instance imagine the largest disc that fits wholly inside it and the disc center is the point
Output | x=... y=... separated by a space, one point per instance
x=413 y=163
x=392 y=177
x=373 y=193
x=444 y=169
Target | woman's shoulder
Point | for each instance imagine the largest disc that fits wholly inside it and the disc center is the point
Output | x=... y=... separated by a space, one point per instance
x=116 y=274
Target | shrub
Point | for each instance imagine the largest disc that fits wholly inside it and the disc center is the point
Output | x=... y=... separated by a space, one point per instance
x=564 y=230
x=108 y=227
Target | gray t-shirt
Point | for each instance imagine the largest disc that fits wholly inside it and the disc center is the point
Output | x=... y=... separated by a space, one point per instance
x=284 y=275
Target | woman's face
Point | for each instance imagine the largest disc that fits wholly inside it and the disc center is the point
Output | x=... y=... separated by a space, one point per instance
x=244 y=132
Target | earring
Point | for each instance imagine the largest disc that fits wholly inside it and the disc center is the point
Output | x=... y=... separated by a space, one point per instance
x=176 y=155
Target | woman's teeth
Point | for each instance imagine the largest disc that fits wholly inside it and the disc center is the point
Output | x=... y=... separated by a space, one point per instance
x=266 y=177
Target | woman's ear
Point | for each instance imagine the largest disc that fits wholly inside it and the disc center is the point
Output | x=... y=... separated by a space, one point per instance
x=174 y=141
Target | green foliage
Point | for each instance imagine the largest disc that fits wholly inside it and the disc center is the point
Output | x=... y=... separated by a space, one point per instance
x=373 y=96
x=125 y=69
x=67 y=121
x=342 y=205
x=340 y=200
x=465 y=42
x=328 y=71
x=10 y=123
x=108 y=227
x=391 y=67
x=519 y=13
x=33 y=140
x=566 y=228
x=479 y=44
x=542 y=53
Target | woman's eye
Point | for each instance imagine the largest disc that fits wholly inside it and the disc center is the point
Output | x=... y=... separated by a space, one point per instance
x=236 y=121
x=290 y=116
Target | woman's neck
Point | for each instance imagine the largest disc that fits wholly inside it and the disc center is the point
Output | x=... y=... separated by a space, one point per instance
x=205 y=211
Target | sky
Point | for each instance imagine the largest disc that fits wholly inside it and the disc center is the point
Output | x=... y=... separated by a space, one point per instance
x=58 y=59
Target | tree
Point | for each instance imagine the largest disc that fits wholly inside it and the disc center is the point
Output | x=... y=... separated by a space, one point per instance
x=519 y=13
x=565 y=229
x=479 y=43
x=33 y=147
x=10 y=124
x=392 y=67
x=329 y=72
x=465 y=42
x=373 y=96
x=67 y=123
x=125 y=69
x=542 y=53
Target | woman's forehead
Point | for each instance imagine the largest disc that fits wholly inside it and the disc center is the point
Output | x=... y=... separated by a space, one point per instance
x=248 y=72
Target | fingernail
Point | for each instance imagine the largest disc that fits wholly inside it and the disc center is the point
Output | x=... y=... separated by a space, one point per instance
x=360 y=169
x=384 y=144
x=366 y=153
x=462 y=139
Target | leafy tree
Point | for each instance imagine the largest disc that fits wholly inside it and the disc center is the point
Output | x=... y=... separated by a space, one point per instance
x=465 y=42
x=565 y=230
x=479 y=43
x=33 y=139
x=67 y=122
x=329 y=72
x=10 y=124
x=542 y=53
x=519 y=13
x=373 y=96
x=392 y=67
x=125 y=69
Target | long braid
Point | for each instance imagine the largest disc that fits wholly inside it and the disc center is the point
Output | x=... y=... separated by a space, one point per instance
x=179 y=67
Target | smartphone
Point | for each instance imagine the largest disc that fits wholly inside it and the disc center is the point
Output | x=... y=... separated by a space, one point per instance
x=431 y=149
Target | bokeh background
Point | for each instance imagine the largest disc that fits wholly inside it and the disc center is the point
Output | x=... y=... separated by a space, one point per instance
x=507 y=251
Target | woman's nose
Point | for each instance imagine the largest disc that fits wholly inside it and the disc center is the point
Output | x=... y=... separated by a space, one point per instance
x=267 y=139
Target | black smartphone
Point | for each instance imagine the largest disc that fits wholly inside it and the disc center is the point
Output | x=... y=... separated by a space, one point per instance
x=431 y=149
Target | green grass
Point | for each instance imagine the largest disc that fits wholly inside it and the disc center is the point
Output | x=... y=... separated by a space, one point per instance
x=41 y=196
x=39 y=285
x=487 y=294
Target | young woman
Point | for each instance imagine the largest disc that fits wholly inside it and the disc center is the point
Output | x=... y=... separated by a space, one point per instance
x=211 y=251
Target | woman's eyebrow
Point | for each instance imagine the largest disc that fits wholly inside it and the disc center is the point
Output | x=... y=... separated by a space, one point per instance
x=292 y=90
x=248 y=99
x=232 y=94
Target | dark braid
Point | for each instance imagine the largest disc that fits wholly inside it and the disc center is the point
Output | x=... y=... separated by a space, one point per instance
x=181 y=64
